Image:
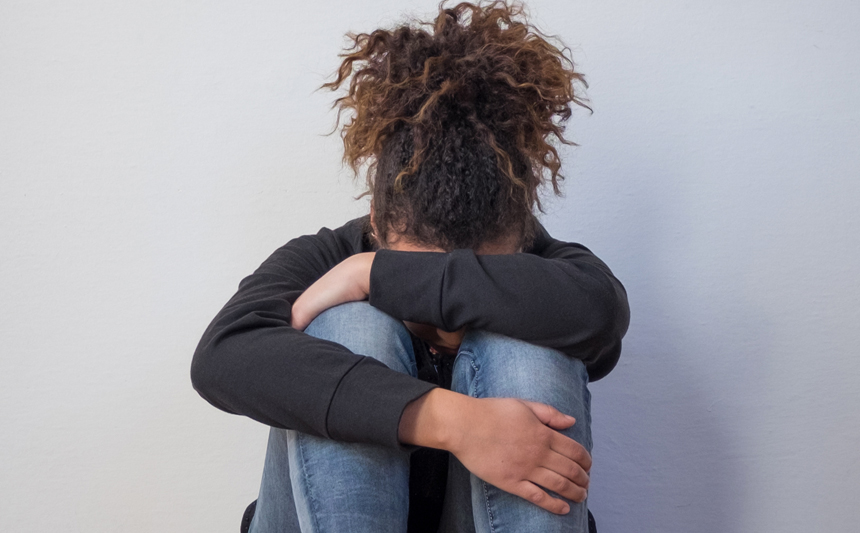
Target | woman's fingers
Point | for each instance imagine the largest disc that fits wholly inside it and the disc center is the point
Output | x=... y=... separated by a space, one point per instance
x=536 y=495
x=507 y=444
x=552 y=417
x=550 y=479
x=549 y=415
x=567 y=468
x=572 y=450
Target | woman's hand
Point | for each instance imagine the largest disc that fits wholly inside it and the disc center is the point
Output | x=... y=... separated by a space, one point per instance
x=509 y=443
x=349 y=281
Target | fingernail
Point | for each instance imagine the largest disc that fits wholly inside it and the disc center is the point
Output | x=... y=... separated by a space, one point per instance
x=566 y=509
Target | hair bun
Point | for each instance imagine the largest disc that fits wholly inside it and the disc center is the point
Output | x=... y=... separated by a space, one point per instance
x=479 y=76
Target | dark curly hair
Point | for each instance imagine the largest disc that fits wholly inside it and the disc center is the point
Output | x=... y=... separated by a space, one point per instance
x=456 y=120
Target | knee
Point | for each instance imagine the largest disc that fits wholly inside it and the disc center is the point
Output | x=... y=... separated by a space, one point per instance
x=516 y=361
x=365 y=330
x=492 y=365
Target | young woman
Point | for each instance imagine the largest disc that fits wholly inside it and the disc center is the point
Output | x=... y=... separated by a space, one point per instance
x=446 y=324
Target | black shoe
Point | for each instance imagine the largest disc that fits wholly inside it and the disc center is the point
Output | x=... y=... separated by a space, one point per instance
x=247 y=517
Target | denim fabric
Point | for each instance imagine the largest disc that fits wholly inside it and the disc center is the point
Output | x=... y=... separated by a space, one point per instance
x=494 y=366
x=316 y=485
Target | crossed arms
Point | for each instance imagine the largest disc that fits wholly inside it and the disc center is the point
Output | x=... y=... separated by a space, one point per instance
x=252 y=361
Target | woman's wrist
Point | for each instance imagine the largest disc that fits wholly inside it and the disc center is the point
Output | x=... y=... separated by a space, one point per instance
x=348 y=281
x=434 y=419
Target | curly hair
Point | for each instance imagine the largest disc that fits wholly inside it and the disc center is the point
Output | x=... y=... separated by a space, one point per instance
x=456 y=120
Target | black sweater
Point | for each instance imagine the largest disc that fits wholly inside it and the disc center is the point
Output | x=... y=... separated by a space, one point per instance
x=251 y=362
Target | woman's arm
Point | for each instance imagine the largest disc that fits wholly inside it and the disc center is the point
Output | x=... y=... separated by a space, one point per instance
x=348 y=281
x=250 y=360
x=558 y=295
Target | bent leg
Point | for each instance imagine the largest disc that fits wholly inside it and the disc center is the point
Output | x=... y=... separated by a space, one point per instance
x=339 y=486
x=276 y=511
x=494 y=366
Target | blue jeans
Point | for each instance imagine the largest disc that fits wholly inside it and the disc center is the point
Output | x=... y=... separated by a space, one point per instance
x=316 y=485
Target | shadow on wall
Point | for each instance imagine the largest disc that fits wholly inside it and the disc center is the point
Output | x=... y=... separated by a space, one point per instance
x=667 y=421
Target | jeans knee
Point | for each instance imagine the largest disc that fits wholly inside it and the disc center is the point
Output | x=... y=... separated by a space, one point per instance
x=365 y=330
x=520 y=360
x=492 y=365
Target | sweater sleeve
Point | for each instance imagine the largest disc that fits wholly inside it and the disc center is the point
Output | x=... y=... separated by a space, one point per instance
x=250 y=361
x=558 y=295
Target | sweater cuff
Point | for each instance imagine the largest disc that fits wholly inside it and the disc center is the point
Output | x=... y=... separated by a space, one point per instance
x=356 y=416
x=408 y=285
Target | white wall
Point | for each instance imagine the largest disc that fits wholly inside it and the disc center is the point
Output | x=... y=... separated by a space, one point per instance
x=154 y=153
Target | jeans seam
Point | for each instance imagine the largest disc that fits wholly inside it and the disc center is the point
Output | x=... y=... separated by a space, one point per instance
x=312 y=503
x=488 y=506
x=473 y=391
x=485 y=485
x=473 y=386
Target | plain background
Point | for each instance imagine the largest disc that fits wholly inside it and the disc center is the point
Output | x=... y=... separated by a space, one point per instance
x=154 y=153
